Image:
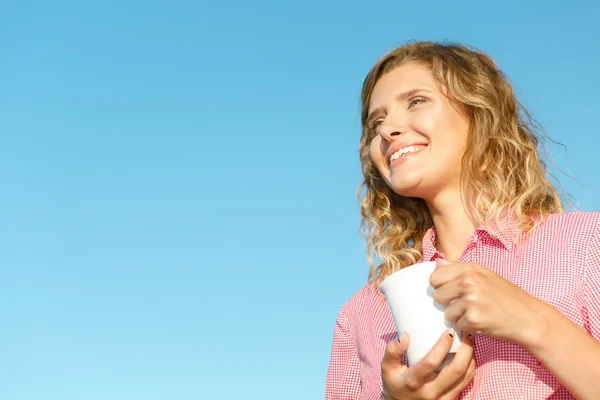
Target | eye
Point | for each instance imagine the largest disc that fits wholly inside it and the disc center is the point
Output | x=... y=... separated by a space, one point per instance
x=376 y=124
x=415 y=101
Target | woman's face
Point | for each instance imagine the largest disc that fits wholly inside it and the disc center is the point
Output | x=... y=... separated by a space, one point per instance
x=421 y=133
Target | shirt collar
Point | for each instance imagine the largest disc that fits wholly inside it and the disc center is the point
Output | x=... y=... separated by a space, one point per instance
x=505 y=231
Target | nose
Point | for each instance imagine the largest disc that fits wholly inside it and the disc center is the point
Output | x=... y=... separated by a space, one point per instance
x=390 y=129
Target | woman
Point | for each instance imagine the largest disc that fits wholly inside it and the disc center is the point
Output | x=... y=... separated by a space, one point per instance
x=452 y=173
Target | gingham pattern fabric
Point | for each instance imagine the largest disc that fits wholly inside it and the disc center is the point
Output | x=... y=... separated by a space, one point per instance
x=558 y=263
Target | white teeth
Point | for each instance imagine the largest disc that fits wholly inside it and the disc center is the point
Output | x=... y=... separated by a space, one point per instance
x=401 y=152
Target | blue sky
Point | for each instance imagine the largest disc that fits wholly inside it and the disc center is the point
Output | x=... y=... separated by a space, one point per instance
x=178 y=211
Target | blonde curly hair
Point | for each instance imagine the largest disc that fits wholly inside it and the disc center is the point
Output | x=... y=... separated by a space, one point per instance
x=501 y=165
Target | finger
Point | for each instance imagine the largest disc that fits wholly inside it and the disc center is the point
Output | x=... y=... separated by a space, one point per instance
x=422 y=371
x=466 y=316
x=453 y=373
x=453 y=392
x=447 y=292
x=456 y=310
x=395 y=349
x=444 y=273
x=471 y=321
x=392 y=369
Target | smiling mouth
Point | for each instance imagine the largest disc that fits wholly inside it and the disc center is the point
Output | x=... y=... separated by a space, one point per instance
x=406 y=150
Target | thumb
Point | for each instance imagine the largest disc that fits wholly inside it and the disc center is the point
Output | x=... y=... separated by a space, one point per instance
x=398 y=346
x=392 y=367
x=404 y=341
x=441 y=261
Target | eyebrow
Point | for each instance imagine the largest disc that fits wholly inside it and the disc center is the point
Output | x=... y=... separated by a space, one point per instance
x=400 y=97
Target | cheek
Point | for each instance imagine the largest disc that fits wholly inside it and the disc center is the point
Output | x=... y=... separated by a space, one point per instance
x=424 y=124
x=375 y=151
x=427 y=120
x=378 y=157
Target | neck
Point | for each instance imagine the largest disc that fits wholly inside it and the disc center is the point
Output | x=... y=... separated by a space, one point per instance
x=452 y=222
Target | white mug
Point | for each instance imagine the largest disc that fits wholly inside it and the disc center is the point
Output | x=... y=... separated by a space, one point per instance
x=410 y=298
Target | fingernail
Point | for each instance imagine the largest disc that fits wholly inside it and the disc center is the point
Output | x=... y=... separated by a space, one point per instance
x=451 y=332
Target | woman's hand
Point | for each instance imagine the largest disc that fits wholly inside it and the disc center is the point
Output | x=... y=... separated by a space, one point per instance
x=421 y=381
x=478 y=300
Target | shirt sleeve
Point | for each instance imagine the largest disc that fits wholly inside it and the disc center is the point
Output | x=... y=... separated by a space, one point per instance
x=343 y=376
x=592 y=287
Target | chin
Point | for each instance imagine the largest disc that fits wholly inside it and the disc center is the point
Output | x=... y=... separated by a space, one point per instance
x=407 y=188
x=407 y=191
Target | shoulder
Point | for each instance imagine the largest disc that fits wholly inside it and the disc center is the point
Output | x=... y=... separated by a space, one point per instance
x=578 y=218
x=572 y=224
x=365 y=308
x=364 y=298
x=566 y=236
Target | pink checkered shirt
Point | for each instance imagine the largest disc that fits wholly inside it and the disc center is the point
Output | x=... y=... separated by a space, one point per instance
x=559 y=264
